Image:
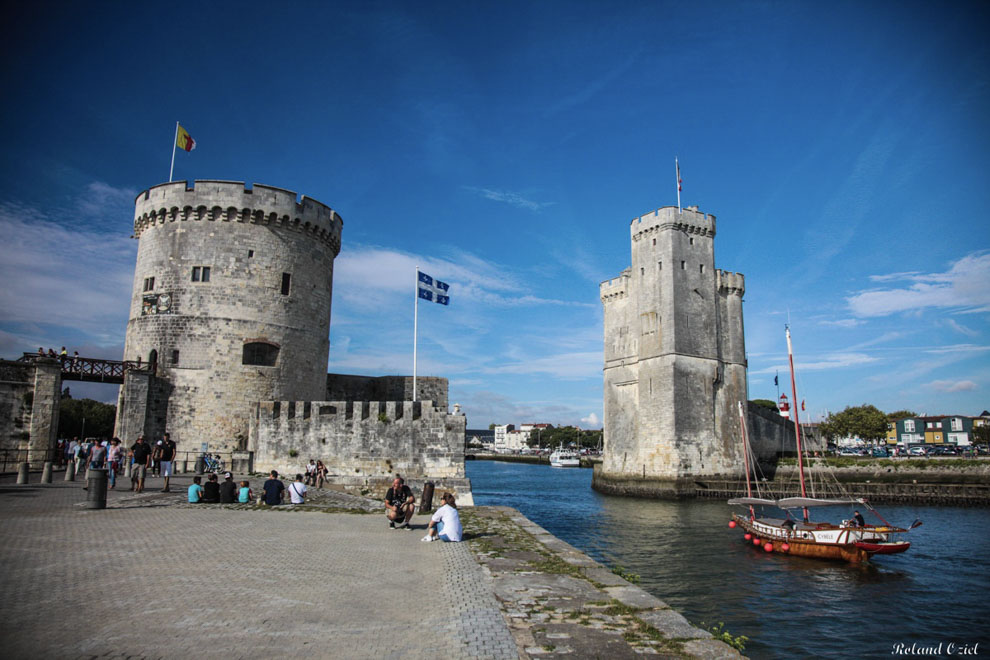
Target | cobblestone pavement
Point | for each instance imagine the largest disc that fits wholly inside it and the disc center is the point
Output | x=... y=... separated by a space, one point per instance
x=152 y=576
x=142 y=579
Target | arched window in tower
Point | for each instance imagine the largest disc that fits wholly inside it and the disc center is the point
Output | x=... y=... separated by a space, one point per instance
x=260 y=353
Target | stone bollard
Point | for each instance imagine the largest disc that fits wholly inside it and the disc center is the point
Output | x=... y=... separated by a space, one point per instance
x=46 y=473
x=22 y=473
x=96 y=483
x=70 y=471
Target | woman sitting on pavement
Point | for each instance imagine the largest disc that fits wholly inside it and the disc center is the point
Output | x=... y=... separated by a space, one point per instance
x=445 y=523
x=321 y=474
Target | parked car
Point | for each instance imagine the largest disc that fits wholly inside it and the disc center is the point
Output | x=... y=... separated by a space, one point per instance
x=880 y=452
x=944 y=451
x=848 y=451
x=917 y=451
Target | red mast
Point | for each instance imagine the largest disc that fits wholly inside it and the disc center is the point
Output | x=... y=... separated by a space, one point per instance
x=797 y=424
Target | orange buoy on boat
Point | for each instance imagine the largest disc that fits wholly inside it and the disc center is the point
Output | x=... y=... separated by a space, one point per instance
x=732 y=523
x=768 y=547
x=785 y=547
x=756 y=541
x=747 y=536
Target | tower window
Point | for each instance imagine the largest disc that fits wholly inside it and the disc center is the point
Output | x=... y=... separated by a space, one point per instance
x=149 y=284
x=250 y=253
x=642 y=271
x=659 y=265
x=286 y=283
x=654 y=241
x=201 y=274
x=691 y=241
x=701 y=268
x=682 y=265
x=175 y=356
x=260 y=354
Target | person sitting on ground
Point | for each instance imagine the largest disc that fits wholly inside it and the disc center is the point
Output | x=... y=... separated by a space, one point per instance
x=297 y=490
x=321 y=474
x=244 y=494
x=211 y=491
x=399 y=504
x=858 y=520
x=445 y=523
x=273 y=490
x=196 y=491
x=311 y=473
x=228 y=489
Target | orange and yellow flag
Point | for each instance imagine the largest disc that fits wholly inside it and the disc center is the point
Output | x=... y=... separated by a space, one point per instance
x=183 y=140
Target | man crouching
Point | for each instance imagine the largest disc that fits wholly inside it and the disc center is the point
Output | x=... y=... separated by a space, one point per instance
x=399 y=504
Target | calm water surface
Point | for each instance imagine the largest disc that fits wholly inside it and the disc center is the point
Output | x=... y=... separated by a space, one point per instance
x=938 y=592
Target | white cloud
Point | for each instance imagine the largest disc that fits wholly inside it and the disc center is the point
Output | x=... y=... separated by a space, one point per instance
x=966 y=285
x=952 y=385
x=591 y=420
x=510 y=198
x=958 y=327
x=834 y=361
x=565 y=366
x=843 y=323
x=57 y=274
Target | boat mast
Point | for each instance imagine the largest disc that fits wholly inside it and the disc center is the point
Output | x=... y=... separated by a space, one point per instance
x=745 y=441
x=797 y=424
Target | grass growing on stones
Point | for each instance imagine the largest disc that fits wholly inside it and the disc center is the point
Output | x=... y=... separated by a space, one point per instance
x=617 y=608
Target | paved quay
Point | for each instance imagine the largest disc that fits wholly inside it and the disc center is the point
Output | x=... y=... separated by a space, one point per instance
x=154 y=577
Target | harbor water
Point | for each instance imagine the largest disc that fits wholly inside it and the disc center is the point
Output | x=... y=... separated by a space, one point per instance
x=930 y=601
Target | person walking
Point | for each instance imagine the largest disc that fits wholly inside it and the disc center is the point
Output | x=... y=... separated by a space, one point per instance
x=141 y=453
x=114 y=452
x=166 y=455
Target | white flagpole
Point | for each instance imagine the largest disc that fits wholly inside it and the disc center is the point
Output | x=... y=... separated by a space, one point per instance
x=174 y=140
x=415 y=327
x=677 y=181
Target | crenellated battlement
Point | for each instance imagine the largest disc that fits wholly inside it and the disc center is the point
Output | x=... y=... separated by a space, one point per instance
x=233 y=201
x=689 y=220
x=615 y=288
x=733 y=284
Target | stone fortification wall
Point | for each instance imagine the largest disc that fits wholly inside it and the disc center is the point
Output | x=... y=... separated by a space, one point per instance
x=231 y=299
x=30 y=395
x=363 y=441
x=675 y=364
x=344 y=387
x=16 y=398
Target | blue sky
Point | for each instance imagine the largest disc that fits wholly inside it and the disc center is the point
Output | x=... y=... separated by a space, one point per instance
x=504 y=147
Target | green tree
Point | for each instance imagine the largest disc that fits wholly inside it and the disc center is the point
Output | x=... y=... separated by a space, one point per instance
x=99 y=418
x=981 y=435
x=865 y=421
x=766 y=403
x=900 y=414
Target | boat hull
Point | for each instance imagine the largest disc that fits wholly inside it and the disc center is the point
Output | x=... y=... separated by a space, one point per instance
x=844 y=548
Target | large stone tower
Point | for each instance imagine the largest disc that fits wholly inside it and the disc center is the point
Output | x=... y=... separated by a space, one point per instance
x=231 y=301
x=675 y=360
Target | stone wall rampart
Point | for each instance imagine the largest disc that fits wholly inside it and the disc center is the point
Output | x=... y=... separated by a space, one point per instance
x=231 y=201
x=363 y=439
x=689 y=220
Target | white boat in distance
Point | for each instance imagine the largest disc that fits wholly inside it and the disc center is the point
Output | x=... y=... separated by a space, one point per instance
x=564 y=458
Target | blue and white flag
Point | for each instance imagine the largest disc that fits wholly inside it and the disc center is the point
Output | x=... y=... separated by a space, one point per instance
x=433 y=290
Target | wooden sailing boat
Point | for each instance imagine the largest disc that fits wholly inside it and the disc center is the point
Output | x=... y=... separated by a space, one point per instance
x=847 y=540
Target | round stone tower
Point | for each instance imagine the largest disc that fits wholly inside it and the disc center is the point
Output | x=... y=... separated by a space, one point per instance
x=231 y=302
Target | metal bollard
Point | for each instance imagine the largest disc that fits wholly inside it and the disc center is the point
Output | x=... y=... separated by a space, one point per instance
x=46 y=473
x=70 y=471
x=127 y=470
x=96 y=483
x=200 y=464
x=426 y=502
x=22 y=473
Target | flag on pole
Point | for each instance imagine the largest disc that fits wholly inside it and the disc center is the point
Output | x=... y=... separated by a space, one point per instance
x=433 y=290
x=183 y=140
x=775 y=382
x=679 y=180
